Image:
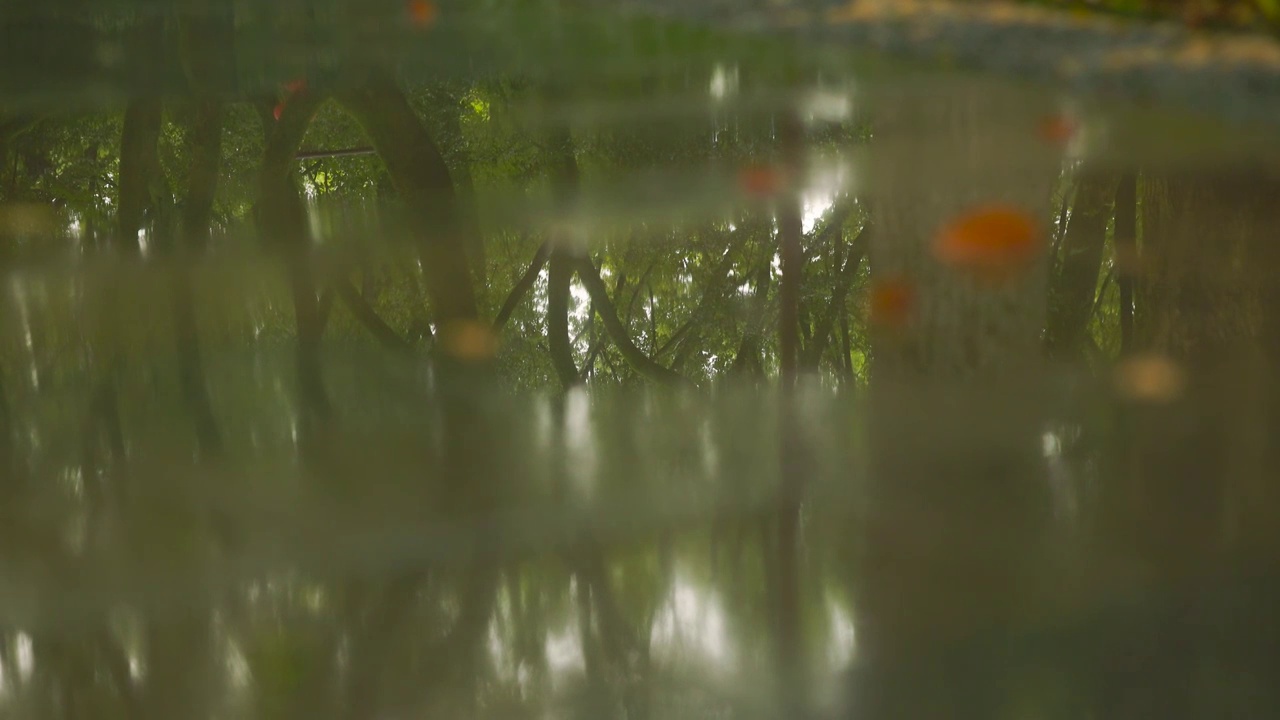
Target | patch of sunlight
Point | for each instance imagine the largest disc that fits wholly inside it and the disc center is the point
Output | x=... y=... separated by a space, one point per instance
x=237 y=666
x=724 y=82
x=24 y=656
x=540 y=293
x=499 y=653
x=542 y=422
x=825 y=105
x=842 y=643
x=691 y=625
x=20 y=293
x=314 y=223
x=706 y=438
x=580 y=451
x=144 y=244
x=581 y=299
x=479 y=106
x=563 y=646
x=1050 y=444
x=312 y=598
x=825 y=185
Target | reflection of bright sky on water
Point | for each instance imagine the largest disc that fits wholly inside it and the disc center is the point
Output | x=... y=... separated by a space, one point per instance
x=691 y=625
x=841 y=640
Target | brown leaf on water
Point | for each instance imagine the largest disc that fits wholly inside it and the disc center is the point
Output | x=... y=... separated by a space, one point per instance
x=469 y=341
x=1058 y=129
x=422 y=13
x=1149 y=378
x=891 y=301
x=992 y=243
x=760 y=181
x=1128 y=261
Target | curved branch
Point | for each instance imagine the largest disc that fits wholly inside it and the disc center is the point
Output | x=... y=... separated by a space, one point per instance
x=522 y=286
x=710 y=293
x=642 y=364
x=368 y=317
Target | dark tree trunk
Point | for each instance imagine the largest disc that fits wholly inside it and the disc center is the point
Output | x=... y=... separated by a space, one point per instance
x=139 y=170
x=205 y=150
x=283 y=221
x=421 y=177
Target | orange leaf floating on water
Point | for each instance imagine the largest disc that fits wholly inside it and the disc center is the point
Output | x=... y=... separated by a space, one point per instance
x=422 y=13
x=992 y=243
x=1128 y=261
x=1149 y=378
x=1057 y=129
x=760 y=180
x=469 y=341
x=891 y=301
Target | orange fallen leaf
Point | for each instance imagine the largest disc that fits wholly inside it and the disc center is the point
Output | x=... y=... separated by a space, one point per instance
x=992 y=243
x=1057 y=129
x=1149 y=378
x=760 y=181
x=1128 y=261
x=422 y=13
x=891 y=301
x=469 y=340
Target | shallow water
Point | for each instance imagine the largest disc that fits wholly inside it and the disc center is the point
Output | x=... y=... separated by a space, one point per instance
x=580 y=360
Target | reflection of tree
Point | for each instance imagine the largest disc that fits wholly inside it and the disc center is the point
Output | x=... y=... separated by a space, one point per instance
x=683 y=301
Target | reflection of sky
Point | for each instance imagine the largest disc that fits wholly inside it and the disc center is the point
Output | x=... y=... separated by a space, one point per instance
x=690 y=625
x=841 y=642
x=563 y=645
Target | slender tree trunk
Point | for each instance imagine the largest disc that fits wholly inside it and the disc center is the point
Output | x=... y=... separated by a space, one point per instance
x=283 y=220
x=522 y=286
x=205 y=150
x=559 y=279
x=139 y=170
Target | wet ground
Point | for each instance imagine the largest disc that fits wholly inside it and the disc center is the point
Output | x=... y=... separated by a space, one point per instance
x=791 y=359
